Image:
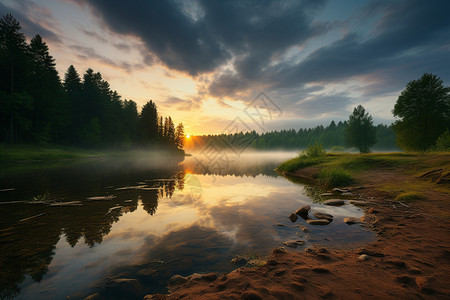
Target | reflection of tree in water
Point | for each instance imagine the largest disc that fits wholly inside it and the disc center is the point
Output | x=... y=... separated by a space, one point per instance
x=150 y=201
x=28 y=247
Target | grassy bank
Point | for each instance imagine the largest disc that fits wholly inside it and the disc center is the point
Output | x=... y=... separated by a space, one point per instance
x=24 y=153
x=334 y=170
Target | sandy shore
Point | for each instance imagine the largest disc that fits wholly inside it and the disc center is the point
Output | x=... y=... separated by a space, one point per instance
x=409 y=260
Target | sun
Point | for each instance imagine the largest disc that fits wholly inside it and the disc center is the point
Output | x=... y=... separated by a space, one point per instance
x=188 y=136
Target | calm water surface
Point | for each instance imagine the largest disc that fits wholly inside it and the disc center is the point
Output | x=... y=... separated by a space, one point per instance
x=148 y=220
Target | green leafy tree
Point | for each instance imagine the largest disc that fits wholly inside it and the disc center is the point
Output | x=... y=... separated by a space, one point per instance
x=424 y=112
x=360 y=131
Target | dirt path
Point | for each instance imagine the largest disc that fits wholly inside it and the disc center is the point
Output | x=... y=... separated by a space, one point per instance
x=409 y=260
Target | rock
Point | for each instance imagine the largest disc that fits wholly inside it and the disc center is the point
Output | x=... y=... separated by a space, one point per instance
x=280 y=225
x=338 y=190
x=239 y=260
x=320 y=215
x=326 y=194
x=177 y=280
x=257 y=262
x=358 y=202
x=322 y=250
x=319 y=222
x=363 y=257
x=369 y=252
x=279 y=250
x=423 y=284
x=208 y=277
x=351 y=220
x=334 y=202
x=95 y=296
x=303 y=211
x=272 y=262
x=294 y=244
x=293 y=217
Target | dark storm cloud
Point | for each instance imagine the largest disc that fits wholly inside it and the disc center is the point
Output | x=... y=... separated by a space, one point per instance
x=199 y=36
x=410 y=38
x=30 y=27
x=407 y=31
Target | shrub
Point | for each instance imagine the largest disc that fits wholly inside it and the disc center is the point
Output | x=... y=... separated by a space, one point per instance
x=315 y=150
x=443 y=142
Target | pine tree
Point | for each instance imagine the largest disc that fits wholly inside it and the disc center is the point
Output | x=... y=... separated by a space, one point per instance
x=179 y=136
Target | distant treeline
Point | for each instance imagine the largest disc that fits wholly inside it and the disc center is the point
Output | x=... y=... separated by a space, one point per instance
x=330 y=136
x=36 y=107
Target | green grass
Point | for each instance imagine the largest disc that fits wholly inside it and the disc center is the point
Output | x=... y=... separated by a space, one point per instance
x=340 y=169
x=334 y=177
x=409 y=196
x=299 y=163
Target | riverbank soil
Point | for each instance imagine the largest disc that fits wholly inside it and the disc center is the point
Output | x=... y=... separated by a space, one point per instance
x=409 y=260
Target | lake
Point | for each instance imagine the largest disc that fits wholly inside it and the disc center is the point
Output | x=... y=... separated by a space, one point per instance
x=72 y=230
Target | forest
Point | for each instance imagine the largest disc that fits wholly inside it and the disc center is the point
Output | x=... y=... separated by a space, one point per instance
x=38 y=108
x=331 y=137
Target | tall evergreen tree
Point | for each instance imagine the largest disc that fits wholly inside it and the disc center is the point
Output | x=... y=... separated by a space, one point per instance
x=14 y=64
x=179 y=136
x=149 y=121
x=50 y=114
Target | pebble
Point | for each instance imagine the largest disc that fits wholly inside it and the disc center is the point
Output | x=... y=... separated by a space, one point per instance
x=303 y=211
x=320 y=215
x=351 y=220
x=363 y=257
x=293 y=217
x=334 y=202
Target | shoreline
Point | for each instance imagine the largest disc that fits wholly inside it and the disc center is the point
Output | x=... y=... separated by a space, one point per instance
x=410 y=258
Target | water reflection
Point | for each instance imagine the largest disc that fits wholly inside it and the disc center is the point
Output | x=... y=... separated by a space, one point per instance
x=147 y=223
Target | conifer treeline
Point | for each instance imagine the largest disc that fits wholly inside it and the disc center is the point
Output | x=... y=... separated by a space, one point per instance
x=330 y=136
x=36 y=107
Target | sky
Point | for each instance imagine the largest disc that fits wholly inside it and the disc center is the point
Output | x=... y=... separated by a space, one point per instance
x=227 y=66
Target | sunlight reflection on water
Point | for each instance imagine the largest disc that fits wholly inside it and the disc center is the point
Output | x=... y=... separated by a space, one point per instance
x=170 y=222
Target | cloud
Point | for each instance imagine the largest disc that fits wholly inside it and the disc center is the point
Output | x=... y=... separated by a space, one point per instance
x=90 y=53
x=34 y=19
x=179 y=104
x=202 y=35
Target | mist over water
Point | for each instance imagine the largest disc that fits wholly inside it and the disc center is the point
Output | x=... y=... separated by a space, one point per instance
x=147 y=218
